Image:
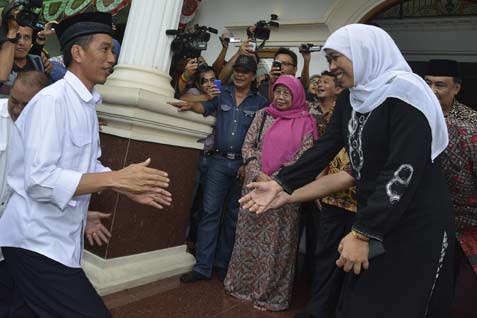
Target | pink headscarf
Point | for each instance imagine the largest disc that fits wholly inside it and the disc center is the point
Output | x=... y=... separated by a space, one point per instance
x=284 y=138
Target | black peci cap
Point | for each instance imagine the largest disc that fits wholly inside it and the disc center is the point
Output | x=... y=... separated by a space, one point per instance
x=448 y=68
x=83 y=24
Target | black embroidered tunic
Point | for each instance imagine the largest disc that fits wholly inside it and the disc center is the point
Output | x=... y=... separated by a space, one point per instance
x=403 y=201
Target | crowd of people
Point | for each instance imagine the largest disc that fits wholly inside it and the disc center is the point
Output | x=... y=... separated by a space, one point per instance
x=374 y=163
x=365 y=181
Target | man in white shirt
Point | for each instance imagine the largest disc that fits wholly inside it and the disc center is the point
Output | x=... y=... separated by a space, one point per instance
x=26 y=85
x=53 y=169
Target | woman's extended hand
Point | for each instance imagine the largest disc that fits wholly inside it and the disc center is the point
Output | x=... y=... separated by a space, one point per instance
x=261 y=197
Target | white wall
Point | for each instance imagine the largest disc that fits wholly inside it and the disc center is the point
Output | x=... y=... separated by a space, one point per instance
x=299 y=17
x=444 y=38
x=313 y=20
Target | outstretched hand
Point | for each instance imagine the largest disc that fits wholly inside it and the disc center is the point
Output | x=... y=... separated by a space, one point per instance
x=95 y=231
x=260 y=199
x=154 y=199
x=139 y=178
x=181 y=105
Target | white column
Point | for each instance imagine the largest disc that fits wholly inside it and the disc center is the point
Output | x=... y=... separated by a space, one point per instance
x=135 y=96
x=145 y=53
x=151 y=19
x=135 y=107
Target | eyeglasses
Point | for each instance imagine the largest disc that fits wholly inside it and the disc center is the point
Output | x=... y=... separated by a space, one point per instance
x=286 y=63
x=314 y=81
x=284 y=94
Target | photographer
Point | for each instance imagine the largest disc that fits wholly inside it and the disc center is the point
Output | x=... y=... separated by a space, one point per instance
x=7 y=48
x=188 y=77
x=245 y=49
x=19 y=18
x=199 y=92
x=22 y=61
x=285 y=63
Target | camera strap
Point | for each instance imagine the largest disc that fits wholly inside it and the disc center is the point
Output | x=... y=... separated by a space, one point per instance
x=264 y=117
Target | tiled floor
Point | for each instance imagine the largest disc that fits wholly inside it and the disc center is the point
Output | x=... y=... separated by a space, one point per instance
x=169 y=298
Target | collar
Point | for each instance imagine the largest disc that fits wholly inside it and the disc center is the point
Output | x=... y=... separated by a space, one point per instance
x=4 y=108
x=81 y=89
x=319 y=108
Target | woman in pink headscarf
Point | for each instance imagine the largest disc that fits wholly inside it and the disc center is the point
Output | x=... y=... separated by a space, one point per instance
x=262 y=266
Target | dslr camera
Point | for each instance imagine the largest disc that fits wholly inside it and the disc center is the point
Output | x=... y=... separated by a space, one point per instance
x=202 y=66
x=309 y=47
x=190 y=44
x=27 y=16
x=262 y=28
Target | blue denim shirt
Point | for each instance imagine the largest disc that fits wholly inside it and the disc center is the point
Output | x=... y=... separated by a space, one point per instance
x=233 y=120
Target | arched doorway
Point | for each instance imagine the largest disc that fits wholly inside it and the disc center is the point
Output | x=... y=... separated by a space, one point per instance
x=427 y=29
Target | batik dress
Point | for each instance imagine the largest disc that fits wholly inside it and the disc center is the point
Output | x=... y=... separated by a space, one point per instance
x=262 y=266
x=403 y=201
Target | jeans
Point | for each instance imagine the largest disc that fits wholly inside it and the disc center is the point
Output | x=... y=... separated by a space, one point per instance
x=215 y=239
x=198 y=194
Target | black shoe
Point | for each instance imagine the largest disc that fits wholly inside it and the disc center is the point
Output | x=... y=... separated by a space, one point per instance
x=304 y=314
x=221 y=272
x=192 y=277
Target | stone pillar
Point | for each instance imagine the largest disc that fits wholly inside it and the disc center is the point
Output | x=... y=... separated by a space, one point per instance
x=146 y=56
x=147 y=244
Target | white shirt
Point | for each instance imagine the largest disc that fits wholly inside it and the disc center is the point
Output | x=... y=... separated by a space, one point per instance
x=6 y=126
x=56 y=141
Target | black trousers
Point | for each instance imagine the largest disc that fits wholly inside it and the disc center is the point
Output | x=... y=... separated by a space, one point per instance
x=6 y=288
x=44 y=288
x=465 y=305
x=335 y=223
x=309 y=221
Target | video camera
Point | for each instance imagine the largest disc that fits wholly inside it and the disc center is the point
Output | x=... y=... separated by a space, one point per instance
x=262 y=28
x=309 y=47
x=27 y=16
x=190 y=44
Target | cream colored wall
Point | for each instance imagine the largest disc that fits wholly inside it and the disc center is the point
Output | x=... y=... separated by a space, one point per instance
x=223 y=13
x=300 y=21
x=443 y=38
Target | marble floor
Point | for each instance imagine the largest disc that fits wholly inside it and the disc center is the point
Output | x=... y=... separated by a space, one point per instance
x=169 y=298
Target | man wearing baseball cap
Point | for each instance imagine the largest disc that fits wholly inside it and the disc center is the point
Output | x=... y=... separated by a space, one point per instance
x=54 y=169
x=234 y=107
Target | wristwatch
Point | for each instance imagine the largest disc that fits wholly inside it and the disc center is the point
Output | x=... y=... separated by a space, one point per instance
x=15 y=39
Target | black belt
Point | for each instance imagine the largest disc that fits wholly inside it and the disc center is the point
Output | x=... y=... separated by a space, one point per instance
x=228 y=155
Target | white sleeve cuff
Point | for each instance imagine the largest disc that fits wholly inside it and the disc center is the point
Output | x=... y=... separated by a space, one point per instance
x=65 y=187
